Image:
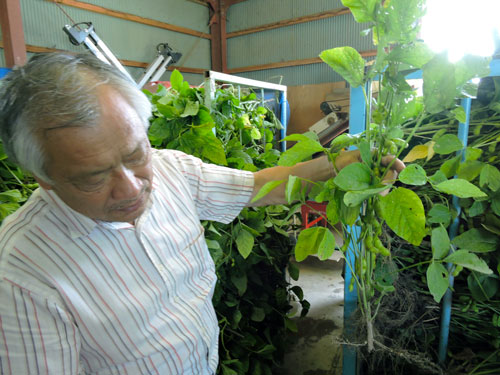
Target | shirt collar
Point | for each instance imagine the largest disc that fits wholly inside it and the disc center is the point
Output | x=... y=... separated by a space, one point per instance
x=78 y=225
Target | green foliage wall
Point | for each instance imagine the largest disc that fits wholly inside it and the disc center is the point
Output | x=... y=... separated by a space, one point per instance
x=253 y=296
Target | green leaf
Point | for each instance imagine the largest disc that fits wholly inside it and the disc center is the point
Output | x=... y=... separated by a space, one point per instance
x=460 y=188
x=470 y=67
x=477 y=209
x=404 y=213
x=255 y=133
x=473 y=153
x=247 y=159
x=304 y=137
x=447 y=144
x=470 y=169
x=7 y=208
x=399 y=21
x=405 y=108
x=258 y=314
x=415 y=54
x=348 y=215
x=213 y=150
x=244 y=243
x=159 y=129
x=440 y=242
x=481 y=286
x=365 y=151
x=362 y=10
x=476 y=240
x=176 y=80
x=316 y=240
x=438 y=177
x=437 y=280
x=267 y=349
x=439 y=84
x=297 y=290
x=293 y=188
x=449 y=168
x=468 y=260
x=301 y=151
x=13 y=195
x=191 y=109
x=490 y=176
x=413 y=174
x=355 y=176
x=204 y=117
x=212 y=244
x=495 y=205
x=333 y=212
x=342 y=141
x=240 y=281
x=355 y=198
x=266 y=189
x=237 y=315
x=460 y=115
x=347 y=62
x=291 y=325
x=293 y=271
x=227 y=370
x=439 y=214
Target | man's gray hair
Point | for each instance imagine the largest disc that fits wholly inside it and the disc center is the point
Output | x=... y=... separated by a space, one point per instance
x=56 y=90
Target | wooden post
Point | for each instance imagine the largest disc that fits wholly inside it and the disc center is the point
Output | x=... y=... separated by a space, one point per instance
x=12 y=32
x=218 y=12
x=215 y=35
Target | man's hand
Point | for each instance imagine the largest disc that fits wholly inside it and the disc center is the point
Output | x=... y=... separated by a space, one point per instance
x=319 y=169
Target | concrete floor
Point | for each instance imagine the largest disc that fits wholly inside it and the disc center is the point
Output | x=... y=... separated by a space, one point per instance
x=316 y=349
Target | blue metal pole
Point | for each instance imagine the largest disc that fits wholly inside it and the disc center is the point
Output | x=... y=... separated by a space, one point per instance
x=357 y=121
x=463 y=132
x=283 y=119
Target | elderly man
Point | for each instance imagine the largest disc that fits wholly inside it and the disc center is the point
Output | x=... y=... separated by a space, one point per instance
x=105 y=269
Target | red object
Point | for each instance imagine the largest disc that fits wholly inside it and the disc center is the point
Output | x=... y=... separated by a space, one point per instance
x=317 y=212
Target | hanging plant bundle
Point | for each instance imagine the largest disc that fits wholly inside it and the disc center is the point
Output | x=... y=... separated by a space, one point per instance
x=375 y=222
x=252 y=297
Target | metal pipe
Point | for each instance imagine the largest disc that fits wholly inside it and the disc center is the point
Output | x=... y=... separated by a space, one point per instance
x=283 y=119
x=463 y=132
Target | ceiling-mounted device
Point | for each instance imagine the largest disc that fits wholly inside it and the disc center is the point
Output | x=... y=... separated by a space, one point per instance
x=165 y=57
x=87 y=36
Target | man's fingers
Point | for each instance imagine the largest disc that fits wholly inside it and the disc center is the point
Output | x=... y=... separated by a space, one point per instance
x=397 y=165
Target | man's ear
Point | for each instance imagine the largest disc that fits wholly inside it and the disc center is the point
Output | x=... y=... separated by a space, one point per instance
x=43 y=184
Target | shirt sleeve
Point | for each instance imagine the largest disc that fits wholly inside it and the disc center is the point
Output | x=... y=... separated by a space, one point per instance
x=220 y=193
x=36 y=336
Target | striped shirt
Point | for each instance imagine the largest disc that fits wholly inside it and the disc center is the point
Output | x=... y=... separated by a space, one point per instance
x=81 y=296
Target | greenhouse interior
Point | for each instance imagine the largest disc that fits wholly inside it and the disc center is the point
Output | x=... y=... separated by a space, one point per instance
x=255 y=187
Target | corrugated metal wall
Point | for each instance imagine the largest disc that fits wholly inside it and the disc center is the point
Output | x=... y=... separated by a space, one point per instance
x=43 y=22
x=296 y=42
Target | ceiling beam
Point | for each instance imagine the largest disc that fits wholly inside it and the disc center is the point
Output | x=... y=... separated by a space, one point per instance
x=12 y=33
x=292 y=21
x=136 y=64
x=284 y=64
x=130 y=17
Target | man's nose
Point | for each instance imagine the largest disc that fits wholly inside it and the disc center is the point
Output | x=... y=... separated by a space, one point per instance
x=126 y=185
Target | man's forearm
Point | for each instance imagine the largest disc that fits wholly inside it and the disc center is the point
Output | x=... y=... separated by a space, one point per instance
x=319 y=169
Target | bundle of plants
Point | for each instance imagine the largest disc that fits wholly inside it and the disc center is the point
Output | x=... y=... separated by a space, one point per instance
x=478 y=223
x=16 y=185
x=379 y=215
x=253 y=295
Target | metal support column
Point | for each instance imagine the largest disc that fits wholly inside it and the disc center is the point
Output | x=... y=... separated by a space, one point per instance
x=357 y=121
